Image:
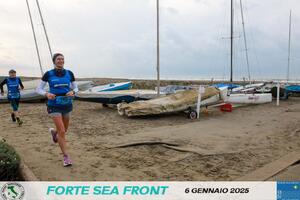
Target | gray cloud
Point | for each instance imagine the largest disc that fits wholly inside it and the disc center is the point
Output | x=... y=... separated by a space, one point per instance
x=117 y=38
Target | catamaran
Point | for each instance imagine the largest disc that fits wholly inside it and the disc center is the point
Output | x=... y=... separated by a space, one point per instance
x=287 y=88
x=290 y=88
x=244 y=94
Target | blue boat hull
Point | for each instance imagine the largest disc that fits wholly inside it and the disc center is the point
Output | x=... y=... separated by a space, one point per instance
x=112 y=87
x=286 y=91
x=229 y=85
x=120 y=87
x=293 y=89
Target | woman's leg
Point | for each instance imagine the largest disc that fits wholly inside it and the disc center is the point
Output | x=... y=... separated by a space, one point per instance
x=16 y=109
x=61 y=131
x=17 y=113
x=13 y=107
x=66 y=120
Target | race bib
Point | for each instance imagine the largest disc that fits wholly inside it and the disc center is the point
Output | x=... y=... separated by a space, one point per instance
x=14 y=95
x=64 y=100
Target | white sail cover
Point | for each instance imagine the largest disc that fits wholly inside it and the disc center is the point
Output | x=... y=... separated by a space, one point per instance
x=179 y=101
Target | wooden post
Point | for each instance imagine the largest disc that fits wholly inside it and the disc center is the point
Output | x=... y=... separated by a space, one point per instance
x=199 y=101
x=278 y=93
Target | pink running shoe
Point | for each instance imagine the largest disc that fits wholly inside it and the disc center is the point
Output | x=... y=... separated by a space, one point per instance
x=54 y=134
x=67 y=161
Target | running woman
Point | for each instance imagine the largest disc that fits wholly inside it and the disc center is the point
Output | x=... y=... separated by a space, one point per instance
x=14 y=84
x=62 y=90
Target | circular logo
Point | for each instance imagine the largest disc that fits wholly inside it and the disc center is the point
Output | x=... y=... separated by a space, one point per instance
x=12 y=191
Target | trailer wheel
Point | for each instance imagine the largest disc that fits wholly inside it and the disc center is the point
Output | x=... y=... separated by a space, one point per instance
x=192 y=114
x=281 y=92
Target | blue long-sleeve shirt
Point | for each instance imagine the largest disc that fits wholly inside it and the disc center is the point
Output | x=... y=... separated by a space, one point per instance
x=4 y=82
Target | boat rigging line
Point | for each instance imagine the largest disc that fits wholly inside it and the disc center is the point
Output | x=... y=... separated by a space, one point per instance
x=35 y=40
x=289 y=48
x=245 y=41
x=231 y=41
x=44 y=27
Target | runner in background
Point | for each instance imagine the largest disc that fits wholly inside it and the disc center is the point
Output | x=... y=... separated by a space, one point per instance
x=14 y=84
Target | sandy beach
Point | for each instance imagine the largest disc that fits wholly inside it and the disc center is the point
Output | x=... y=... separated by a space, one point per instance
x=226 y=145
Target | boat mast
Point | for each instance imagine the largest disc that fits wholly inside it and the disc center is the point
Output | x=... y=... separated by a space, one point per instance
x=245 y=41
x=157 y=48
x=45 y=31
x=231 y=42
x=34 y=37
x=289 y=54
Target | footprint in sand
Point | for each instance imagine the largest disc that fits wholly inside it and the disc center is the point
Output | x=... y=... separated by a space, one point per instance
x=94 y=165
x=37 y=149
x=112 y=165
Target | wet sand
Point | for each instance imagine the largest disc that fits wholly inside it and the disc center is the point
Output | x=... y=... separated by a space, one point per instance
x=254 y=136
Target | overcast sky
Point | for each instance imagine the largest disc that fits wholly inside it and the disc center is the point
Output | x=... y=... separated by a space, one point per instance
x=116 y=38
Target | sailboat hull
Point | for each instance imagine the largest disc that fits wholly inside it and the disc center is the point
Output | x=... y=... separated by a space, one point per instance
x=112 y=87
x=115 y=97
x=293 y=89
x=249 y=98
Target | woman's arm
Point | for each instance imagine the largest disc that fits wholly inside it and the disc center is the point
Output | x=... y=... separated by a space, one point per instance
x=1 y=86
x=21 y=84
x=74 y=86
x=41 y=88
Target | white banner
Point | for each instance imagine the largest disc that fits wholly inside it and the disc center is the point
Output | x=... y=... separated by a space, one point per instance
x=138 y=190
